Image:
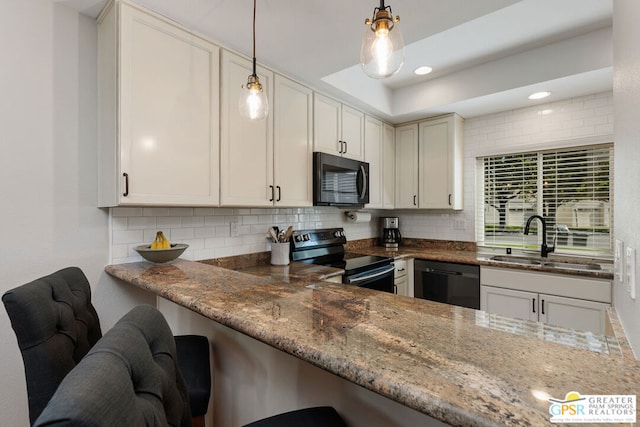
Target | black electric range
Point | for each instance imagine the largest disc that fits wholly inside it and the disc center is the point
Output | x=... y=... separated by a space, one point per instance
x=326 y=247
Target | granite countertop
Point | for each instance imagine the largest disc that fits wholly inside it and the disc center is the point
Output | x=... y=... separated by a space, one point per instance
x=457 y=365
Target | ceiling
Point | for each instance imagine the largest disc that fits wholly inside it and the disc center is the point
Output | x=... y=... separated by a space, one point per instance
x=487 y=55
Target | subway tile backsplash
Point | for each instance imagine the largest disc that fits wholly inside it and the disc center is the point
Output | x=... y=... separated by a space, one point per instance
x=207 y=231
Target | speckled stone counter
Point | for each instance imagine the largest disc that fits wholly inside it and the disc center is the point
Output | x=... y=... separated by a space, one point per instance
x=445 y=361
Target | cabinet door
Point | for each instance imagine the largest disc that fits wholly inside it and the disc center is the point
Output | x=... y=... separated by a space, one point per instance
x=509 y=302
x=168 y=101
x=373 y=156
x=434 y=169
x=407 y=167
x=388 y=166
x=246 y=146
x=327 y=125
x=293 y=148
x=353 y=133
x=440 y=166
x=573 y=313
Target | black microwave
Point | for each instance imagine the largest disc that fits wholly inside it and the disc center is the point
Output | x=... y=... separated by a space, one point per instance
x=339 y=181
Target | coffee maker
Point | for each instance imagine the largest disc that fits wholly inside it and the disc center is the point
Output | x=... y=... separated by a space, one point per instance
x=390 y=233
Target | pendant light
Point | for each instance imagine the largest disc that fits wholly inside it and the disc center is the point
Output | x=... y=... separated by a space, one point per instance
x=382 y=52
x=253 y=101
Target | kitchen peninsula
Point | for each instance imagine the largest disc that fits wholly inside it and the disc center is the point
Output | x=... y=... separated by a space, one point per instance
x=446 y=362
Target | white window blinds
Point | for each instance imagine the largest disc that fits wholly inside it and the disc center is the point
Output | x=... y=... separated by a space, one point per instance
x=571 y=188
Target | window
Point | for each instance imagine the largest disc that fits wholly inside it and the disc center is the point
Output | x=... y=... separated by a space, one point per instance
x=571 y=188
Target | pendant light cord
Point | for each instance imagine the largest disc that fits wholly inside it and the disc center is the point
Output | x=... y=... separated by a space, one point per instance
x=254 y=37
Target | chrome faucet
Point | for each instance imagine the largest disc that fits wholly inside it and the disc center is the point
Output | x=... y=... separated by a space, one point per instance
x=544 y=249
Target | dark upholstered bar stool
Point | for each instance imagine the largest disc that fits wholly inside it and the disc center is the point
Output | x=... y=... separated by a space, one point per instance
x=129 y=378
x=56 y=325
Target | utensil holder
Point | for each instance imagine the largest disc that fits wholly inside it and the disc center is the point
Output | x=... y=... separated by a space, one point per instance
x=280 y=253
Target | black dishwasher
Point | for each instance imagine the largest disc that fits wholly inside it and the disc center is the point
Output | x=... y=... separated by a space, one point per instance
x=451 y=283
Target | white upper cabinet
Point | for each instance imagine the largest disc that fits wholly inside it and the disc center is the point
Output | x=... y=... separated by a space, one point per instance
x=246 y=146
x=293 y=145
x=388 y=166
x=337 y=128
x=407 y=167
x=429 y=164
x=380 y=154
x=441 y=163
x=374 y=156
x=265 y=162
x=158 y=111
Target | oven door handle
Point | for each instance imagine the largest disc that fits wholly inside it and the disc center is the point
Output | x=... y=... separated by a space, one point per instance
x=372 y=276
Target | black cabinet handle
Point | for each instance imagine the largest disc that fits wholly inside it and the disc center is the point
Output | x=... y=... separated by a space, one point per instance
x=414 y=200
x=542 y=306
x=346 y=147
x=271 y=187
x=340 y=150
x=449 y=199
x=279 y=193
x=534 y=305
x=126 y=184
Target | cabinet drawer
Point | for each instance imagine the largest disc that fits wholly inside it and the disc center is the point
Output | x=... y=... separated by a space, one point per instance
x=401 y=268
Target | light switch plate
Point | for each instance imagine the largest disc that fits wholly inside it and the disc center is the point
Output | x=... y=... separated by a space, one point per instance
x=630 y=268
x=619 y=261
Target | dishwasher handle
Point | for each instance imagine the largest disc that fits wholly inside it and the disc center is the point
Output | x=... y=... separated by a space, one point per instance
x=449 y=273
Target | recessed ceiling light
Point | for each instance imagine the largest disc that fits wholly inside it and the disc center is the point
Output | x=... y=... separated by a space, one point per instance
x=539 y=95
x=421 y=71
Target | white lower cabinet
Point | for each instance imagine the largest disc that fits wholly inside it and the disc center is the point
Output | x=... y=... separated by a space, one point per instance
x=562 y=300
x=401 y=277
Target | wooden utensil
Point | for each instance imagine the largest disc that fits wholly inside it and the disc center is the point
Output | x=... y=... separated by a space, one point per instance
x=273 y=234
x=287 y=234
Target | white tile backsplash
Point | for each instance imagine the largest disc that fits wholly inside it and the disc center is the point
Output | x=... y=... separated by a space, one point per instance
x=207 y=231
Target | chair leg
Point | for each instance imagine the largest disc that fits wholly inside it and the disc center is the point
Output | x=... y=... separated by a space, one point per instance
x=197 y=421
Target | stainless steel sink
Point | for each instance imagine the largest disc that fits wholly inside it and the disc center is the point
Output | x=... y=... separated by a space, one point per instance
x=551 y=264
x=517 y=260
x=573 y=266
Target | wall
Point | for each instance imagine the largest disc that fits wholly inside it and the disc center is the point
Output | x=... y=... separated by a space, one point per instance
x=47 y=167
x=207 y=231
x=626 y=95
x=581 y=120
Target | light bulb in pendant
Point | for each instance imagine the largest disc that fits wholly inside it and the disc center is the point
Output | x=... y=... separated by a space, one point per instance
x=382 y=51
x=253 y=101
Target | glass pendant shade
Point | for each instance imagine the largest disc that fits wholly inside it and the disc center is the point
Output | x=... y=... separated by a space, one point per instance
x=382 y=52
x=253 y=101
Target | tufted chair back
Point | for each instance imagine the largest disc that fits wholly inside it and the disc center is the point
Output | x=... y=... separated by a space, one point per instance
x=56 y=325
x=129 y=378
